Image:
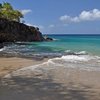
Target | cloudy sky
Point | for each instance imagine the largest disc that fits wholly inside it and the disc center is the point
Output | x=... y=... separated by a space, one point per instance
x=61 y=16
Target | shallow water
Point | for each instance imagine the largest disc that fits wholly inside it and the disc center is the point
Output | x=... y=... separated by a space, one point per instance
x=72 y=72
x=61 y=45
x=68 y=49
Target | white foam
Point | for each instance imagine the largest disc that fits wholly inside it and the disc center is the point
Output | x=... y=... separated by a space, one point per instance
x=67 y=51
x=77 y=53
x=73 y=58
x=2 y=49
x=82 y=62
x=81 y=53
x=55 y=39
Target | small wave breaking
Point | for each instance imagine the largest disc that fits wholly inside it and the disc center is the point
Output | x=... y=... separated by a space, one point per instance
x=2 y=49
x=80 y=62
x=76 y=53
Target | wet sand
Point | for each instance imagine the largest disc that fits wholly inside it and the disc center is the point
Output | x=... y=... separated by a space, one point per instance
x=10 y=64
x=57 y=84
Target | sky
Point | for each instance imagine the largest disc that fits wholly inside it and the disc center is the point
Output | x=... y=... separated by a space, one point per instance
x=60 y=16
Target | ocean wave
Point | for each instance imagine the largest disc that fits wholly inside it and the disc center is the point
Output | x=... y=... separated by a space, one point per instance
x=74 y=58
x=86 y=62
x=55 y=39
x=2 y=49
x=81 y=53
x=76 y=53
x=80 y=62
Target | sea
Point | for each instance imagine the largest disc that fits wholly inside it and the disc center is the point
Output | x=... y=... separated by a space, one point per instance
x=80 y=51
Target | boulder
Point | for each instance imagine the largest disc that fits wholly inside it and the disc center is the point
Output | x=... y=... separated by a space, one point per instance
x=46 y=38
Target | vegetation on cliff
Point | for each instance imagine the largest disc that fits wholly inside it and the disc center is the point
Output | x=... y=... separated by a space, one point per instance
x=8 y=12
x=12 y=30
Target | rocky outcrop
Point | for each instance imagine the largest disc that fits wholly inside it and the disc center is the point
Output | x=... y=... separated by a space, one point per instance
x=46 y=38
x=11 y=31
x=1 y=45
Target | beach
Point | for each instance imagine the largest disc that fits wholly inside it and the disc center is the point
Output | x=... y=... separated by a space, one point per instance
x=67 y=68
x=9 y=64
x=50 y=50
x=29 y=82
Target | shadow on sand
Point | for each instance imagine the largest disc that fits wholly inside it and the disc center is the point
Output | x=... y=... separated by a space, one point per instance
x=18 y=88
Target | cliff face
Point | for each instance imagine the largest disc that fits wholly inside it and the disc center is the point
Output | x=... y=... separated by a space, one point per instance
x=11 y=31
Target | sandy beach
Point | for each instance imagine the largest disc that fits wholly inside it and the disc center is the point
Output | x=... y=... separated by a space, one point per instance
x=49 y=50
x=58 y=84
x=9 y=64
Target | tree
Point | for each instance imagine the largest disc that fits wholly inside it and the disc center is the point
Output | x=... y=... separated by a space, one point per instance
x=0 y=6
x=17 y=15
x=7 y=6
x=7 y=12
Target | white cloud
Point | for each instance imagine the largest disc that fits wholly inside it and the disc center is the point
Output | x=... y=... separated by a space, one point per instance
x=90 y=15
x=29 y=24
x=51 y=26
x=67 y=18
x=39 y=26
x=83 y=16
x=26 y=11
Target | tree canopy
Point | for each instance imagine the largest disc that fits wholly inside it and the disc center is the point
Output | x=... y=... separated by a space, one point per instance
x=7 y=12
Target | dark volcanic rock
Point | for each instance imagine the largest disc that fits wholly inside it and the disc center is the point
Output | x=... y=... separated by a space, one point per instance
x=11 y=31
x=1 y=45
x=49 y=39
x=46 y=38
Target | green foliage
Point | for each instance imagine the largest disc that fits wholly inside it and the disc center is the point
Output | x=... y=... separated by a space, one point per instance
x=7 y=12
x=7 y=6
x=0 y=5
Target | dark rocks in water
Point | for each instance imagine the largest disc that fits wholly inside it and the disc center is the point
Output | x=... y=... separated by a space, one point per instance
x=11 y=31
x=1 y=45
x=49 y=39
x=46 y=38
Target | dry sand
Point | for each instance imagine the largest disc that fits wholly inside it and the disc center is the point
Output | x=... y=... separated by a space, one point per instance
x=60 y=84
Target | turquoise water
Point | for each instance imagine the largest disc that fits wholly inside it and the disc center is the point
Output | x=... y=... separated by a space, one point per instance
x=74 y=43
x=73 y=51
x=62 y=44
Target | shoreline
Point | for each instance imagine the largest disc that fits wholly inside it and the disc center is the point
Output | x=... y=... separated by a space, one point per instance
x=59 y=83
x=9 y=64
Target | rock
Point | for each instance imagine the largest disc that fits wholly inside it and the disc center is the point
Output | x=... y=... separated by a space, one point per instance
x=11 y=31
x=46 y=38
x=1 y=45
x=49 y=39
